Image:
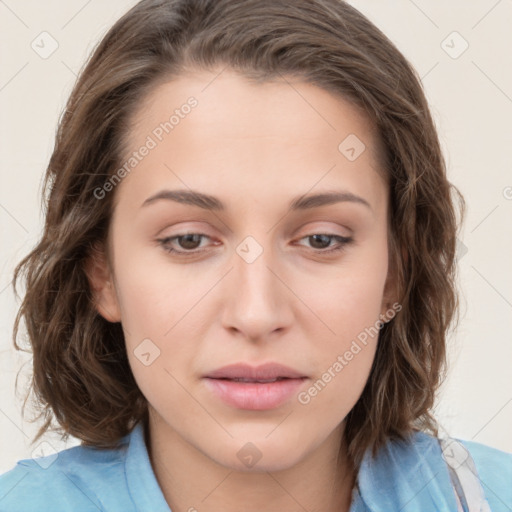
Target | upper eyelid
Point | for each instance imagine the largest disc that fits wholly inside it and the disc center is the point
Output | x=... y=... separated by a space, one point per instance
x=201 y=233
x=309 y=231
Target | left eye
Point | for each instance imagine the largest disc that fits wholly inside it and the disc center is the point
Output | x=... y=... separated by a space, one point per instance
x=189 y=242
x=324 y=238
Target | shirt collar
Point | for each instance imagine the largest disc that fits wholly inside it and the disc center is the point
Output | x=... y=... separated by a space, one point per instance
x=409 y=475
x=140 y=478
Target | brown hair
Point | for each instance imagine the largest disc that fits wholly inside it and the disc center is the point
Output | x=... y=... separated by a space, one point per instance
x=81 y=373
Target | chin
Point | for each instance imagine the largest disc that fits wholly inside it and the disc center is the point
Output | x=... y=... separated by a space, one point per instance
x=258 y=456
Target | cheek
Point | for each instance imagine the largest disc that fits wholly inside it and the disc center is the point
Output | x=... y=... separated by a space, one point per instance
x=349 y=305
x=159 y=306
x=154 y=296
x=349 y=298
x=345 y=353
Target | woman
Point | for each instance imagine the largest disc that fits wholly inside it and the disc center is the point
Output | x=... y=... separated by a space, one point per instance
x=242 y=292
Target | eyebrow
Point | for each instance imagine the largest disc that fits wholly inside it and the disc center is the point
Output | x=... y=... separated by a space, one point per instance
x=212 y=203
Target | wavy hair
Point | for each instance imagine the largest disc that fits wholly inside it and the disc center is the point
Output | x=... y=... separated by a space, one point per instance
x=81 y=378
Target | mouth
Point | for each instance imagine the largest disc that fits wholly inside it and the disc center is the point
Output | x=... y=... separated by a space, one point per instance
x=266 y=372
x=260 y=381
x=260 y=388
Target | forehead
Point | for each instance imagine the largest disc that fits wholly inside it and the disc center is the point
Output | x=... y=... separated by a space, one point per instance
x=250 y=138
x=230 y=105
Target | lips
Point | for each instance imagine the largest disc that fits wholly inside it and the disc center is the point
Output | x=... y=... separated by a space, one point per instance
x=255 y=388
x=268 y=372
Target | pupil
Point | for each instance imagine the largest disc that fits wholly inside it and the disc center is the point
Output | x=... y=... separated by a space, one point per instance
x=316 y=237
x=188 y=241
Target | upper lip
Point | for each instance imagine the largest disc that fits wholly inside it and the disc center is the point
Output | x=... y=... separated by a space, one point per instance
x=263 y=372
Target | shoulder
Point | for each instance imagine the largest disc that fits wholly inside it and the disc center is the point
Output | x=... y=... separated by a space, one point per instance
x=494 y=468
x=72 y=479
x=413 y=473
x=474 y=463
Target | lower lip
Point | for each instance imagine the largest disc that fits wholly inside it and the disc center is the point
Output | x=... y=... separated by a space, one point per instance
x=253 y=395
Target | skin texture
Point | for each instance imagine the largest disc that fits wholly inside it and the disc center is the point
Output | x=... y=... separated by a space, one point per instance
x=255 y=147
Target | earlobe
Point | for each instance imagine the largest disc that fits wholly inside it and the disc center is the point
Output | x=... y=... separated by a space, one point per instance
x=101 y=284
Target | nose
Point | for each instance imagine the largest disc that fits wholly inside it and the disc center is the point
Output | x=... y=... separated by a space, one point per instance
x=258 y=301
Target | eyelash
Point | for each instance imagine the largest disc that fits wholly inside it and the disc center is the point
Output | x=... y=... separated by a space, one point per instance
x=342 y=240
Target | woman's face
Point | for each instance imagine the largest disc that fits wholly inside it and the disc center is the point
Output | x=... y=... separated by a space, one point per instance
x=251 y=284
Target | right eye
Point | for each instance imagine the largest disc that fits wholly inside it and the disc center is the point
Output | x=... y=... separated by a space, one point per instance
x=189 y=242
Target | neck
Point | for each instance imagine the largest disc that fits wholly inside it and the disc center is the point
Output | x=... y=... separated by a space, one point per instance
x=193 y=482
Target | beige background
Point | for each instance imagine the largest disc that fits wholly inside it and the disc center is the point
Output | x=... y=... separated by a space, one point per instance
x=471 y=99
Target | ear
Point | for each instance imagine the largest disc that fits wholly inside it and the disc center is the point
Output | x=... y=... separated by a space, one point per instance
x=101 y=283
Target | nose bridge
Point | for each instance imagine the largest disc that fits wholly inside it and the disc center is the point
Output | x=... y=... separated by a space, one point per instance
x=255 y=281
x=257 y=297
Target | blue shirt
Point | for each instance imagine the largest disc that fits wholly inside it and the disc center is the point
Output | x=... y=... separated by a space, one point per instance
x=406 y=476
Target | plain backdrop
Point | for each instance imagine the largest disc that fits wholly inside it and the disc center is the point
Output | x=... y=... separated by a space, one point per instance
x=460 y=49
